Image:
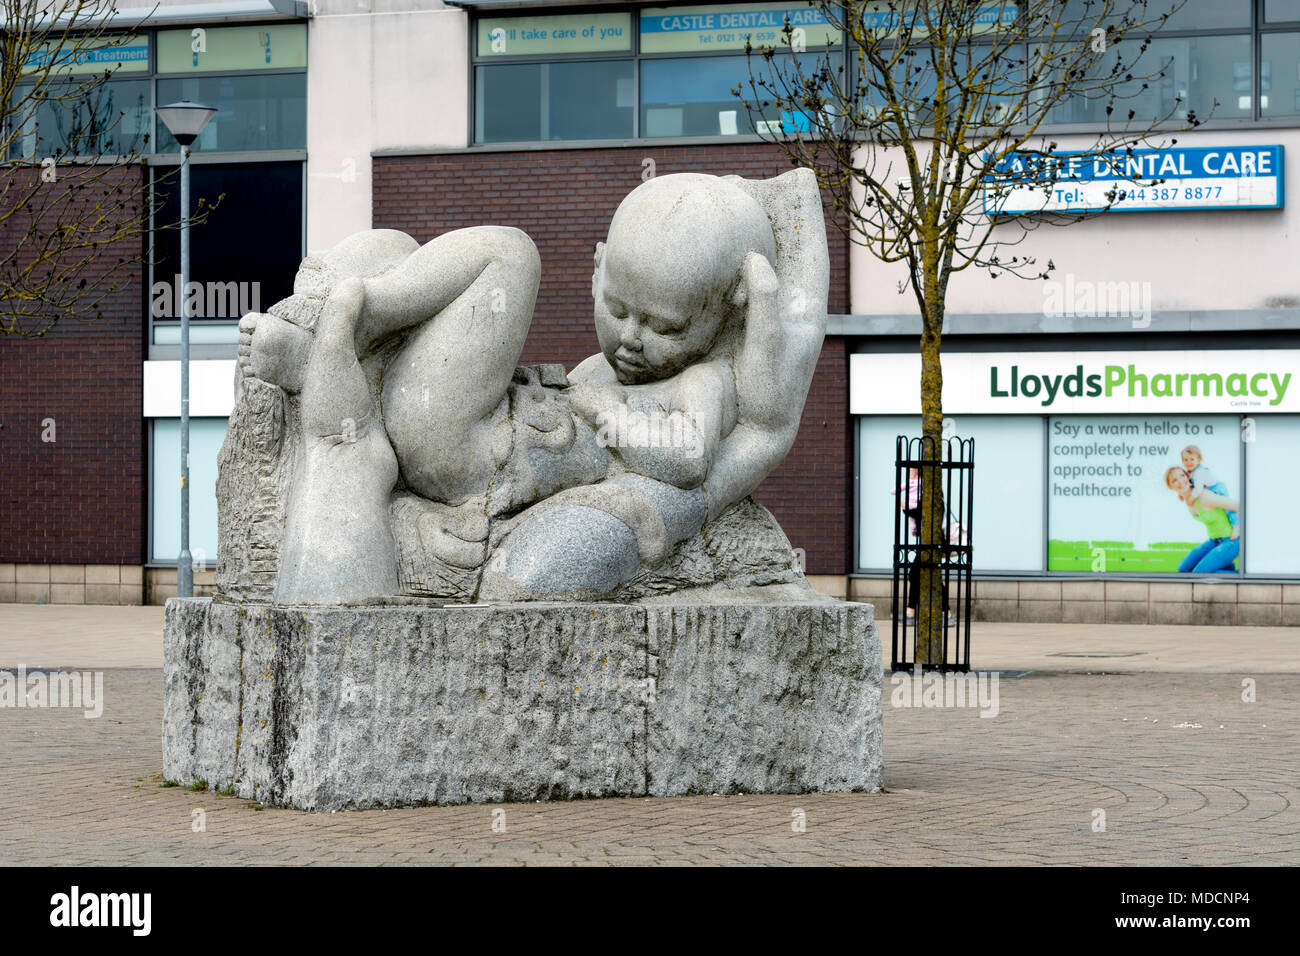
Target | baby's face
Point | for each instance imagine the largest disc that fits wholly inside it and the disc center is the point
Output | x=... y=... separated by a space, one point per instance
x=648 y=326
x=1190 y=461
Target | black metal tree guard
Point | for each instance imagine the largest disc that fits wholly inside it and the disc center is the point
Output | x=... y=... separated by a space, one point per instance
x=952 y=528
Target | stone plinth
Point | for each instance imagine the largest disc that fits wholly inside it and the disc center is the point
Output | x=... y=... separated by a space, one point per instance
x=325 y=708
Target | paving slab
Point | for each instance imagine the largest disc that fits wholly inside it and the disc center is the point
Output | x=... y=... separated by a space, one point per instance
x=1150 y=768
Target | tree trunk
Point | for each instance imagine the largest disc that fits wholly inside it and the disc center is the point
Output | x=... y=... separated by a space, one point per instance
x=930 y=603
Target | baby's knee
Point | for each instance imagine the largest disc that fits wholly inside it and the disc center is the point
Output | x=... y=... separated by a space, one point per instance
x=569 y=552
x=514 y=247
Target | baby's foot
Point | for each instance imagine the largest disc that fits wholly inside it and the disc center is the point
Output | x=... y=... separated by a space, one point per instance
x=273 y=350
x=455 y=535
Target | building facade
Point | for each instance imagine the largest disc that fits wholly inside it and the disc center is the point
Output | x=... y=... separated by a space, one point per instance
x=425 y=117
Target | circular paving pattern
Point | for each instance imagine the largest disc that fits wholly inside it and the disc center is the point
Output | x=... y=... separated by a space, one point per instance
x=1073 y=768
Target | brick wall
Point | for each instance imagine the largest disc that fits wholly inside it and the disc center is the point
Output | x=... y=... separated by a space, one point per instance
x=80 y=498
x=564 y=199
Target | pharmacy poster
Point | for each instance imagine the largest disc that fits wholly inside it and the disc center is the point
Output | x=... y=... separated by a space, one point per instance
x=1144 y=494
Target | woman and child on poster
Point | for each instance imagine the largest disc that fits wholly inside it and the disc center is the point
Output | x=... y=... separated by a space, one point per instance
x=1207 y=501
x=1201 y=491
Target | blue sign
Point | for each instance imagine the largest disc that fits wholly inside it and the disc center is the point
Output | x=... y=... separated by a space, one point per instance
x=106 y=56
x=1204 y=177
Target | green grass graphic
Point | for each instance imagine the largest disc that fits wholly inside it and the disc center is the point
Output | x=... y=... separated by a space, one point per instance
x=1077 y=556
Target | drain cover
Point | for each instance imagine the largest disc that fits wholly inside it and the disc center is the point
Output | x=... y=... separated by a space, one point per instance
x=1098 y=654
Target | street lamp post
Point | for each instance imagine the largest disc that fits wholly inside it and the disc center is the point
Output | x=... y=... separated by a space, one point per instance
x=185 y=120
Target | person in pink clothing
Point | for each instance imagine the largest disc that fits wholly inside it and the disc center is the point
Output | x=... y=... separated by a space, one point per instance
x=911 y=506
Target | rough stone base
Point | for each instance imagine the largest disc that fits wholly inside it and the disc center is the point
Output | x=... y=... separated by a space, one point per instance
x=349 y=707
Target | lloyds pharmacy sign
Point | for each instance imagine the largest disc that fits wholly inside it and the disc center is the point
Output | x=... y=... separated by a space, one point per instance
x=1055 y=383
x=1207 y=177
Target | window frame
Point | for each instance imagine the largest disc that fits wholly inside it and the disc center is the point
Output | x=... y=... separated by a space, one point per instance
x=198 y=351
x=154 y=159
x=1254 y=31
x=634 y=54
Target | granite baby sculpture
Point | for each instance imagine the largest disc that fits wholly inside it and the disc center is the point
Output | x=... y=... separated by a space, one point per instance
x=443 y=578
x=385 y=442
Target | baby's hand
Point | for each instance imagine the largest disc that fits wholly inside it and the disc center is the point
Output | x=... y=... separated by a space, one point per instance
x=590 y=400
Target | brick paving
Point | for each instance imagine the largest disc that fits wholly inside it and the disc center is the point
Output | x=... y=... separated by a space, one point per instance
x=1185 y=771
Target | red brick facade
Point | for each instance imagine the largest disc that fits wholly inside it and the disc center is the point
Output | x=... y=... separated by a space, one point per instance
x=564 y=199
x=81 y=497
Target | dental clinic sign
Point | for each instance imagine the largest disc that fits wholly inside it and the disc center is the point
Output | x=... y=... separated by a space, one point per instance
x=1054 y=383
x=1214 y=177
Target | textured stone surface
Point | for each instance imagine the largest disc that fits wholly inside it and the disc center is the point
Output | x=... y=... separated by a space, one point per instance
x=254 y=470
x=764 y=698
x=331 y=708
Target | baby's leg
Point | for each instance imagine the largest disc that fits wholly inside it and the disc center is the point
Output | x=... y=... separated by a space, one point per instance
x=440 y=392
x=581 y=544
x=338 y=545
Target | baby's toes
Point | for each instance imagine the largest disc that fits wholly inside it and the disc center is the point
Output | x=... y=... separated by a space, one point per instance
x=247 y=326
x=276 y=350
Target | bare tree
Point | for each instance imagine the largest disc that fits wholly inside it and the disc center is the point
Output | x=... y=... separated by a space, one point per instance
x=935 y=126
x=73 y=193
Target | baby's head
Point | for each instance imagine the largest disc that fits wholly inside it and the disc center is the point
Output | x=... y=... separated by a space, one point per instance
x=1191 y=458
x=668 y=278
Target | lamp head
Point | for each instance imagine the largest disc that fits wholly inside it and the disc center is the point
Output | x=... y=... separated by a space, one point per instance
x=185 y=120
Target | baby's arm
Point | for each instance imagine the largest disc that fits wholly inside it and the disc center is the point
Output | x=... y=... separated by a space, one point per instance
x=674 y=444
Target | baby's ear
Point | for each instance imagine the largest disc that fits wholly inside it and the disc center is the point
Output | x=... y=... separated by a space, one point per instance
x=739 y=294
x=755 y=282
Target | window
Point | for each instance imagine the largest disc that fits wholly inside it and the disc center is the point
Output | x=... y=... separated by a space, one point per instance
x=517 y=102
x=692 y=97
x=206 y=436
x=256 y=111
x=661 y=72
x=1109 y=508
x=668 y=71
x=1280 y=74
x=520 y=100
x=72 y=111
x=1198 y=71
x=1273 y=528
x=1207 y=52
x=1202 y=14
x=259 y=263
x=216 y=49
x=265 y=109
x=256 y=76
x=1007 y=506
x=1282 y=11
x=69 y=119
